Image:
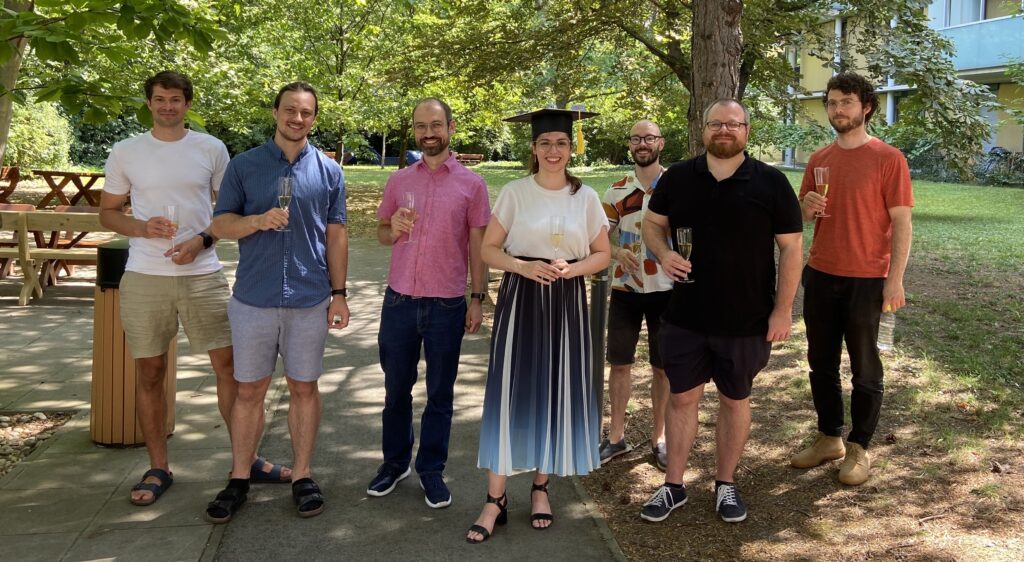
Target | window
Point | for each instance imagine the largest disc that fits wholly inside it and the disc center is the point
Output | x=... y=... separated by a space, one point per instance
x=946 y=13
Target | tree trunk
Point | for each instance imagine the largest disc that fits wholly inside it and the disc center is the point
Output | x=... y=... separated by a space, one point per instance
x=717 y=43
x=9 y=76
x=404 y=132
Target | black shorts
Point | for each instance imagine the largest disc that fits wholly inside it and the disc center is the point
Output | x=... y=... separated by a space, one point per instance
x=626 y=312
x=693 y=359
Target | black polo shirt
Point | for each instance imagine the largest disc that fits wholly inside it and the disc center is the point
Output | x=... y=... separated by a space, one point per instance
x=734 y=224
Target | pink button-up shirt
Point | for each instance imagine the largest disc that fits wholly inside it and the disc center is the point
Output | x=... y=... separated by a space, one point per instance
x=450 y=201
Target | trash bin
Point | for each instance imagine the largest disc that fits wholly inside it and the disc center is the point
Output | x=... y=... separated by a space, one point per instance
x=112 y=420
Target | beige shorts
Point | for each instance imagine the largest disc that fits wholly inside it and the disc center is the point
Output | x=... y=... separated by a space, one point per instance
x=152 y=304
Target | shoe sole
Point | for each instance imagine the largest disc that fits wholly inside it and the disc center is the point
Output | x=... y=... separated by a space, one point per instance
x=617 y=454
x=653 y=519
x=733 y=519
x=403 y=476
x=825 y=459
x=437 y=505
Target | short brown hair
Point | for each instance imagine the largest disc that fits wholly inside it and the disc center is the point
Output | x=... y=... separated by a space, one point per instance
x=853 y=83
x=170 y=80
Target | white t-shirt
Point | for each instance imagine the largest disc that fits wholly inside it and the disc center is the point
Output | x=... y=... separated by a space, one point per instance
x=524 y=209
x=156 y=173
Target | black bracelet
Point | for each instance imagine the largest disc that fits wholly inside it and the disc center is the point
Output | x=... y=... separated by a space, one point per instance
x=479 y=296
x=342 y=292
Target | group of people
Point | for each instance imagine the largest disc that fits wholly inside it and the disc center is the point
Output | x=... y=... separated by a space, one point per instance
x=711 y=298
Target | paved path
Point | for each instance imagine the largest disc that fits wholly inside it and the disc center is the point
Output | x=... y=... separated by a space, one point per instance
x=68 y=501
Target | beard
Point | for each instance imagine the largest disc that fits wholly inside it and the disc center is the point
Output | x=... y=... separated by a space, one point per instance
x=440 y=147
x=850 y=124
x=644 y=160
x=725 y=151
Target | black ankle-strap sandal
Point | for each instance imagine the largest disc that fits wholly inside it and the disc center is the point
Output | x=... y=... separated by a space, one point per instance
x=502 y=518
x=541 y=516
x=227 y=502
x=307 y=496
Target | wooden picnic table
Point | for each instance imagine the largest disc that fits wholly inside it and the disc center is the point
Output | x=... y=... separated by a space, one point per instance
x=9 y=176
x=58 y=180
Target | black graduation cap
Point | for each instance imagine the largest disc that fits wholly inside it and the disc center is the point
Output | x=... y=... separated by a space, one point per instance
x=549 y=120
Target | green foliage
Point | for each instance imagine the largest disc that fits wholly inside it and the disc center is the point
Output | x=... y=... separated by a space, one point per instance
x=67 y=38
x=39 y=138
x=92 y=142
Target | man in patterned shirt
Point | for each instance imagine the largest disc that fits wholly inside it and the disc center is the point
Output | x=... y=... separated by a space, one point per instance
x=640 y=289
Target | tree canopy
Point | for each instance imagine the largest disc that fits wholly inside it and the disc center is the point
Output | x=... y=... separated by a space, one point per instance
x=371 y=59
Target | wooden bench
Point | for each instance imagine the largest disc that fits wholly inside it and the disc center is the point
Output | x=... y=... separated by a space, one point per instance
x=9 y=178
x=469 y=159
x=33 y=260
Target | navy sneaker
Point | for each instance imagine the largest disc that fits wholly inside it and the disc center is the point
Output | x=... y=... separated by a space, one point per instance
x=729 y=504
x=435 y=492
x=386 y=480
x=661 y=504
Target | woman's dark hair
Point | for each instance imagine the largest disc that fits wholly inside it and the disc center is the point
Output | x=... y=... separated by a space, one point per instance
x=575 y=183
x=853 y=83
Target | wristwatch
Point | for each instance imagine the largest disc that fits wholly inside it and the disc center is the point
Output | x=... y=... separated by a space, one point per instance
x=343 y=292
x=207 y=239
x=478 y=296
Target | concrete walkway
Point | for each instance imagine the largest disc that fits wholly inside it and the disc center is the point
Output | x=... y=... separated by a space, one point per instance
x=68 y=501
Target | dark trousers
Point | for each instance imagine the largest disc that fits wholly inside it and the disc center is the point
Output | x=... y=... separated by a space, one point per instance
x=407 y=324
x=837 y=309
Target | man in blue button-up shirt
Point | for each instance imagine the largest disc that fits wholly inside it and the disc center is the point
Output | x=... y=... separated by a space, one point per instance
x=289 y=287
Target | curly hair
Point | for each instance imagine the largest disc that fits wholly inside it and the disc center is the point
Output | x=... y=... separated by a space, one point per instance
x=853 y=83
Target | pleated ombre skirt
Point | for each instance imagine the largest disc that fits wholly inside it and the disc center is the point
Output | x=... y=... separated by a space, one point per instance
x=540 y=408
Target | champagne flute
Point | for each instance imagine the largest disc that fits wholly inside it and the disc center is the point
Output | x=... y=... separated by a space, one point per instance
x=557 y=231
x=171 y=214
x=821 y=186
x=410 y=203
x=684 y=245
x=284 y=195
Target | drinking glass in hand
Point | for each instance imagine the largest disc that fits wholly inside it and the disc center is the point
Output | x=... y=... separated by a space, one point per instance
x=171 y=214
x=284 y=195
x=684 y=245
x=557 y=232
x=821 y=186
x=410 y=203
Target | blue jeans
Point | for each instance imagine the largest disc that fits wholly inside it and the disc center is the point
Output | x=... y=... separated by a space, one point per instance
x=407 y=324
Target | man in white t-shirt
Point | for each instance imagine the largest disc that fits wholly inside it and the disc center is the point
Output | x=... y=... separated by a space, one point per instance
x=171 y=174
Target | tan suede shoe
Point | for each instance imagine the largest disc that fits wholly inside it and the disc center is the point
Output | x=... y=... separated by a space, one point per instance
x=825 y=448
x=856 y=468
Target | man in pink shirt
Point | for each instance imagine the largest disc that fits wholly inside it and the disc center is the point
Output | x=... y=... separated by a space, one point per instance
x=433 y=216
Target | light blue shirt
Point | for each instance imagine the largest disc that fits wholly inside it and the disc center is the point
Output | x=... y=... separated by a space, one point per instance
x=284 y=269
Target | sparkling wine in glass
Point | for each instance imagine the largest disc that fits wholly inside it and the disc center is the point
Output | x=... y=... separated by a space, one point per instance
x=684 y=245
x=557 y=232
x=821 y=186
x=409 y=201
x=171 y=214
x=285 y=185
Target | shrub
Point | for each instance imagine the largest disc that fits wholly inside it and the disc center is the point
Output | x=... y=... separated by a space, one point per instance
x=39 y=137
x=93 y=142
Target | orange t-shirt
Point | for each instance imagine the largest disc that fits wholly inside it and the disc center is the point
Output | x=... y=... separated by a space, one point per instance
x=864 y=183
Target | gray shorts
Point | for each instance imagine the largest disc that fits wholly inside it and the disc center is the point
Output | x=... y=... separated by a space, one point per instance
x=260 y=334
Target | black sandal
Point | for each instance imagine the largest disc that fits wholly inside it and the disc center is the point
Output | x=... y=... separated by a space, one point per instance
x=223 y=508
x=157 y=490
x=501 y=519
x=307 y=497
x=540 y=516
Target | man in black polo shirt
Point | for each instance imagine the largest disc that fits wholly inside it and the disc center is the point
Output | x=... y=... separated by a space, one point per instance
x=725 y=310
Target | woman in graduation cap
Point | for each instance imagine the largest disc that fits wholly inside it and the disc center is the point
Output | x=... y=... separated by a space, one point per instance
x=547 y=232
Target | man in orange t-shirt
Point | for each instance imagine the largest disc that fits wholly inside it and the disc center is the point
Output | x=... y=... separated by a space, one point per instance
x=854 y=273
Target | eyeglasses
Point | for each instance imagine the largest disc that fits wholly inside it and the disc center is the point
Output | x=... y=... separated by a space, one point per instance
x=731 y=125
x=546 y=145
x=649 y=139
x=436 y=127
x=844 y=103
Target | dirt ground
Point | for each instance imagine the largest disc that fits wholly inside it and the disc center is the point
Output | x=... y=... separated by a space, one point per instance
x=944 y=486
